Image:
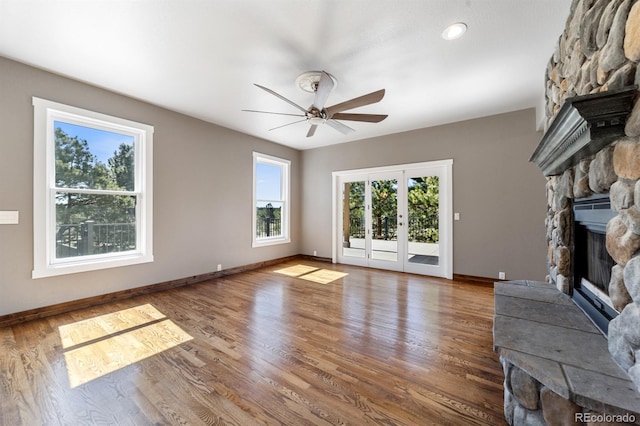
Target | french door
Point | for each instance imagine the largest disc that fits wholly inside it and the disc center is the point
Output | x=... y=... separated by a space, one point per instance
x=395 y=218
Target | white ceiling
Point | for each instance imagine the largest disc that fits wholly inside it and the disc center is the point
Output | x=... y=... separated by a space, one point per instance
x=201 y=58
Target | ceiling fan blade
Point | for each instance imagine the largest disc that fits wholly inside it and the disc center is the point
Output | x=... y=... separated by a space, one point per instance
x=312 y=130
x=369 y=118
x=325 y=85
x=370 y=98
x=342 y=128
x=276 y=113
x=282 y=97
x=288 y=124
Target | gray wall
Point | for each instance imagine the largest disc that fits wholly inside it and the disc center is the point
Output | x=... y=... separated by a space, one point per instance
x=202 y=193
x=500 y=195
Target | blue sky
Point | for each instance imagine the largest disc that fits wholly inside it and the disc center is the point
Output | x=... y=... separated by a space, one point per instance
x=267 y=182
x=102 y=144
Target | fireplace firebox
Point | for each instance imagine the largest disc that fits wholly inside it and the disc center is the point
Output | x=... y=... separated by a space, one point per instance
x=591 y=262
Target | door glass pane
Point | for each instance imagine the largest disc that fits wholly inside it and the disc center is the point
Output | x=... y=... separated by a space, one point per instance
x=423 y=229
x=353 y=225
x=384 y=214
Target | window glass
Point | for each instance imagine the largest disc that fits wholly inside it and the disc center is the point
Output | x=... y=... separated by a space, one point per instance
x=271 y=193
x=268 y=200
x=268 y=181
x=88 y=224
x=93 y=158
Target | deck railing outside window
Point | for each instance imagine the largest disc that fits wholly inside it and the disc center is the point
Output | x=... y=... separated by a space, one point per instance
x=88 y=238
x=420 y=229
x=268 y=227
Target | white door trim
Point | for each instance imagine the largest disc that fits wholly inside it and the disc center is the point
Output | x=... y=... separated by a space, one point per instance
x=446 y=204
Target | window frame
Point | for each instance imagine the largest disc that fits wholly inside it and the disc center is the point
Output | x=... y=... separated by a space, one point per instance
x=285 y=185
x=45 y=262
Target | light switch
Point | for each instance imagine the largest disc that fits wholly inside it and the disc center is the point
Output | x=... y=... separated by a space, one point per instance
x=456 y=216
x=8 y=217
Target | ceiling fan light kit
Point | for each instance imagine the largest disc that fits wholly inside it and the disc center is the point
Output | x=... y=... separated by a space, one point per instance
x=321 y=83
x=317 y=120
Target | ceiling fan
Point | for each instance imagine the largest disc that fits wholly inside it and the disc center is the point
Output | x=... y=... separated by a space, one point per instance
x=321 y=83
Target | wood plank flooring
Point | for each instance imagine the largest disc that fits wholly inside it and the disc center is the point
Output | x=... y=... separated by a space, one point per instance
x=297 y=343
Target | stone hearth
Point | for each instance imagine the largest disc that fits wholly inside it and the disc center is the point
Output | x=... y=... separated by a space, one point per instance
x=557 y=366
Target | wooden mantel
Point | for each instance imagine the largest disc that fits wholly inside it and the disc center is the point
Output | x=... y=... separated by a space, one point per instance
x=583 y=126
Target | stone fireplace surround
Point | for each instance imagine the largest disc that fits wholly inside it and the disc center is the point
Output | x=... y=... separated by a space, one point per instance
x=558 y=367
x=597 y=53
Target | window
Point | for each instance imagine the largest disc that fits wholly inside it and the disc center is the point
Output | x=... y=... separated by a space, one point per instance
x=92 y=190
x=270 y=200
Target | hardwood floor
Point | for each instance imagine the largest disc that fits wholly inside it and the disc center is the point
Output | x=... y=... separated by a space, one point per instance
x=298 y=343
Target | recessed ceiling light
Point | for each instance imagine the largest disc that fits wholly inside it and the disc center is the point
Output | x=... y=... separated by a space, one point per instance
x=454 y=31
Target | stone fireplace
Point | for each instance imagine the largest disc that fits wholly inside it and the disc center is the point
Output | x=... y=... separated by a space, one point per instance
x=577 y=155
x=559 y=369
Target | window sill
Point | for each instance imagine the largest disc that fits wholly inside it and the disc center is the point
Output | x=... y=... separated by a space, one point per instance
x=89 y=265
x=270 y=242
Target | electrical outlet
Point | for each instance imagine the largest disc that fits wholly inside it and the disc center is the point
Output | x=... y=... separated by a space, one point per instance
x=502 y=276
x=219 y=267
x=9 y=217
x=315 y=253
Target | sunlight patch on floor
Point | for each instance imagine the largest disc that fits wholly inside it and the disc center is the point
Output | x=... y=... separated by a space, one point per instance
x=101 y=345
x=324 y=276
x=296 y=270
x=310 y=273
x=90 y=329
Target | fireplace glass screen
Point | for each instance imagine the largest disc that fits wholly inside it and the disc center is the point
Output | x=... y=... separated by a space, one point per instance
x=599 y=263
x=591 y=262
